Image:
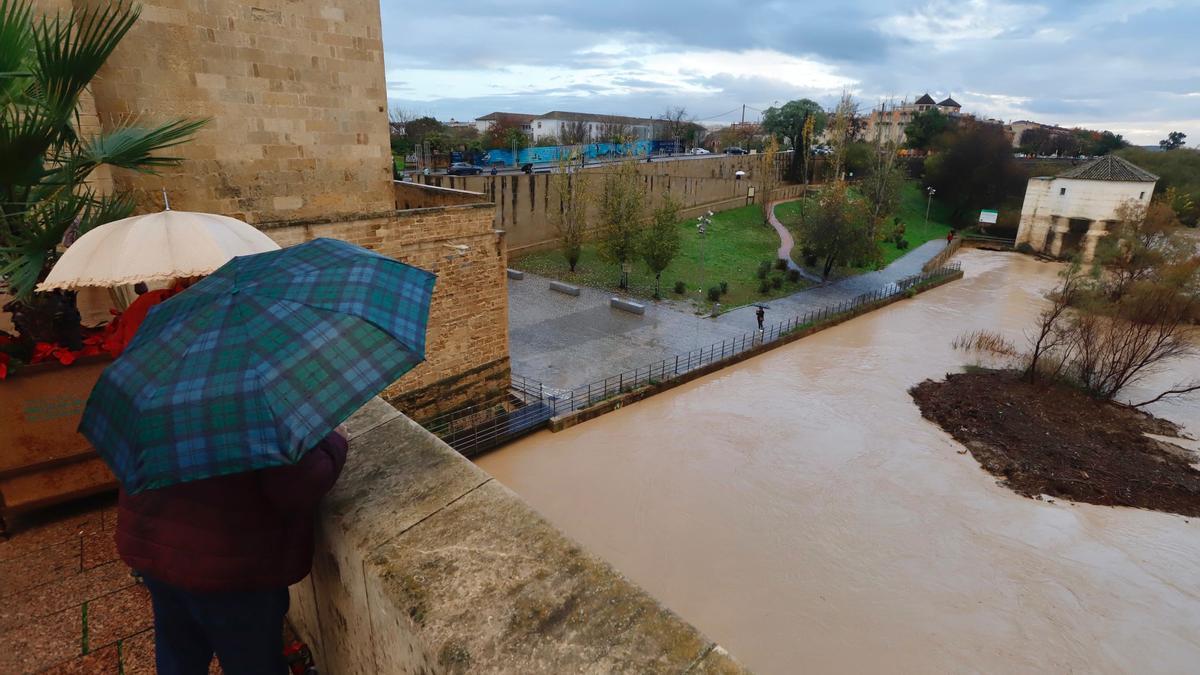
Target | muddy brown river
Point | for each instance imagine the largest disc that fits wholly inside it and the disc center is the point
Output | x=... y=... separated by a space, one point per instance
x=798 y=510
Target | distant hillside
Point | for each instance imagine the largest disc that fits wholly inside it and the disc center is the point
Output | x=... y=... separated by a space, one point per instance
x=1175 y=168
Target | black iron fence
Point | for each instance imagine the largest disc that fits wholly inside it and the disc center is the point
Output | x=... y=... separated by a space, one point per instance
x=561 y=402
x=481 y=427
x=529 y=405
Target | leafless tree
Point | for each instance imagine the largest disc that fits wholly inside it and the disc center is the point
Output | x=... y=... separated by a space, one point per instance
x=617 y=132
x=842 y=132
x=573 y=133
x=883 y=182
x=1051 y=333
x=574 y=195
x=674 y=123
x=398 y=117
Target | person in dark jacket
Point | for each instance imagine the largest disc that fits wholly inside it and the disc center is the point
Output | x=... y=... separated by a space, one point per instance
x=218 y=555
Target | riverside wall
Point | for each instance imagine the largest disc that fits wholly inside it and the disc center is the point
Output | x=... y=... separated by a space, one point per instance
x=426 y=564
x=527 y=205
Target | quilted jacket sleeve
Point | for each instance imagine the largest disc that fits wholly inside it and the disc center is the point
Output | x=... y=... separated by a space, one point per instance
x=298 y=488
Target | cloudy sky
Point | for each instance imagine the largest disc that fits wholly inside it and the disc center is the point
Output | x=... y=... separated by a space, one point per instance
x=1132 y=66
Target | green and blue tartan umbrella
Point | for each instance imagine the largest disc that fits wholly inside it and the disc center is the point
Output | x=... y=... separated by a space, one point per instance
x=254 y=365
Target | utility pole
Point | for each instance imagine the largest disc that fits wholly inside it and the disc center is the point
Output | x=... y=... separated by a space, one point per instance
x=928 y=202
x=743 y=113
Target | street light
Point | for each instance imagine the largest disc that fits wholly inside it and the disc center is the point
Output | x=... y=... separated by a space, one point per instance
x=702 y=225
x=931 y=192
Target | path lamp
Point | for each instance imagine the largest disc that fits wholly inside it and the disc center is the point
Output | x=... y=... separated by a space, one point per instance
x=702 y=224
x=929 y=201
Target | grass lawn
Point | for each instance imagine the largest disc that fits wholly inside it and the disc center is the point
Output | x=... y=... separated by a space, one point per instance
x=911 y=213
x=736 y=243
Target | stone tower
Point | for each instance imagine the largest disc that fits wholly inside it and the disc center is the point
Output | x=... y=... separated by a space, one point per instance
x=295 y=94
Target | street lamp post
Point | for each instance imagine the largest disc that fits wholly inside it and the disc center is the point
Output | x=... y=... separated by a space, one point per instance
x=928 y=202
x=702 y=225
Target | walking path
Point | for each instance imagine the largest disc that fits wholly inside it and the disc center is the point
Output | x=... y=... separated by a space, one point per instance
x=565 y=341
x=787 y=243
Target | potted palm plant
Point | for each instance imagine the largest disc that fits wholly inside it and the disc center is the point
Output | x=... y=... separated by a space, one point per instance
x=46 y=199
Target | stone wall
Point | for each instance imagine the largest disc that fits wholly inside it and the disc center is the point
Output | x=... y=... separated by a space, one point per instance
x=526 y=204
x=416 y=196
x=296 y=97
x=426 y=564
x=467 y=341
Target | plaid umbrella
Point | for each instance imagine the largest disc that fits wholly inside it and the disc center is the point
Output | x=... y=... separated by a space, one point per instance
x=254 y=365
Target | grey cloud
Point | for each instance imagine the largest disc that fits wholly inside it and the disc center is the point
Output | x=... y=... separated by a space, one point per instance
x=1120 y=62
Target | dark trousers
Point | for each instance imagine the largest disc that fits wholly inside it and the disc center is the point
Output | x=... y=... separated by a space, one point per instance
x=244 y=630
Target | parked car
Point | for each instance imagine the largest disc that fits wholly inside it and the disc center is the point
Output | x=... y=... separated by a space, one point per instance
x=699 y=151
x=735 y=151
x=464 y=169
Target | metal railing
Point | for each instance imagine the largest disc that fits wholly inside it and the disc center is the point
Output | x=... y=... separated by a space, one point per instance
x=475 y=429
x=529 y=405
x=561 y=402
x=942 y=258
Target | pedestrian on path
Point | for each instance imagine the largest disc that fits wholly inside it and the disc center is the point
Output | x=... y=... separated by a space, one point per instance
x=949 y=237
x=760 y=314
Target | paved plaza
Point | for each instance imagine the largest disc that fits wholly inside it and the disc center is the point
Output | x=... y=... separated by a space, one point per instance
x=564 y=341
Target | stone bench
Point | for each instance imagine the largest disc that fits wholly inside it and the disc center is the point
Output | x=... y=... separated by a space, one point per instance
x=627 y=306
x=566 y=289
x=515 y=274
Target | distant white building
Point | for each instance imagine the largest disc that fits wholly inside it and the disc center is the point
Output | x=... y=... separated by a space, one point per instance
x=1067 y=214
x=596 y=128
x=522 y=120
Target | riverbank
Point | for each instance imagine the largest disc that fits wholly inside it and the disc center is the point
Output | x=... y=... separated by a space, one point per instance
x=1056 y=441
x=798 y=509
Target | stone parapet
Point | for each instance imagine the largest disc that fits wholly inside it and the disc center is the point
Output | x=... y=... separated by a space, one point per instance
x=426 y=564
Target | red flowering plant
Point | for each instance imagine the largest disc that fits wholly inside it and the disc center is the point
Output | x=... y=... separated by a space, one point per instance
x=15 y=352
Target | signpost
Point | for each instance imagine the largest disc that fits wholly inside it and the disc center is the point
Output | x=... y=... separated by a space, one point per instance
x=987 y=217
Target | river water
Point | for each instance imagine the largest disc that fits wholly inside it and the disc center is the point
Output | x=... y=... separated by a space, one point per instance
x=799 y=510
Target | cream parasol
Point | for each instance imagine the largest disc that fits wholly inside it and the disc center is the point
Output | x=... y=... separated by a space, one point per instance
x=154 y=247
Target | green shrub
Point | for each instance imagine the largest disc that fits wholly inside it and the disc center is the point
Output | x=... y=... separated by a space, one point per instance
x=777 y=282
x=781 y=263
x=793 y=276
x=764 y=286
x=809 y=255
x=910 y=292
x=680 y=287
x=724 y=287
x=902 y=244
x=1024 y=247
x=764 y=268
x=714 y=293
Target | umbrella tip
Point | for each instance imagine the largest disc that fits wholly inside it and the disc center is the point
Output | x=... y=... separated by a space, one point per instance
x=166 y=201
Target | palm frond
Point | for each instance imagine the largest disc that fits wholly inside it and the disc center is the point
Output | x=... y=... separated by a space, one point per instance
x=16 y=50
x=133 y=147
x=25 y=136
x=70 y=51
x=105 y=209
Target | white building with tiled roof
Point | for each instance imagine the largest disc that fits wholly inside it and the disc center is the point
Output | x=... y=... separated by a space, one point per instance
x=1065 y=215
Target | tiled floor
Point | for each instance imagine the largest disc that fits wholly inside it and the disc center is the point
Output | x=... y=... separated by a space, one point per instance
x=67 y=602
